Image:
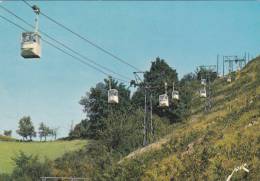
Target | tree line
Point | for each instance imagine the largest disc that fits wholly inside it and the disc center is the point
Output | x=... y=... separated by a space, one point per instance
x=27 y=130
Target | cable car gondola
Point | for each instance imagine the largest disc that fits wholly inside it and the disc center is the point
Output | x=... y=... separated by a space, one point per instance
x=203 y=93
x=112 y=94
x=30 y=44
x=203 y=81
x=163 y=99
x=175 y=93
x=229 y=79
x=30 y=47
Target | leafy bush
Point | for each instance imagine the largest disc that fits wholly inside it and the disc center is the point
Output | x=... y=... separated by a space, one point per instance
x=29 y=168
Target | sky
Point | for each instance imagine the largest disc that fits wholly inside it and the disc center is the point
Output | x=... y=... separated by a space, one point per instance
x=186 y=34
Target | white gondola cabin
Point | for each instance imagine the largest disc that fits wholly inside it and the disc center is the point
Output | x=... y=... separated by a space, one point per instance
x=30 y=45
x=229 y=79
x=175 y=95
x=163 y=100
x=203 y=93
x=203 y=81
x=113 y=96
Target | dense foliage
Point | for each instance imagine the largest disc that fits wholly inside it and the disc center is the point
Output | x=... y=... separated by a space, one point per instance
x=28 y=168
x=206 y=73
x=159 y=74
x=98 y=110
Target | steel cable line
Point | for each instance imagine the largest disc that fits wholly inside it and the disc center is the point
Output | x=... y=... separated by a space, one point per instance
x=85 y=39
x=64 y=51
x=62 y=44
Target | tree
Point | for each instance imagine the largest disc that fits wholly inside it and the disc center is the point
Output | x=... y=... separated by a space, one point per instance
x=26 y=128
x=160 y=73
x=92 y=162
x=96 y=107
x=204 y=73
x=8 y=133
x=44 y=131
x=80 y=130
x=30 y=168
x=188 y=78
x=54 y=133
x=189 y=85
x=124 y=131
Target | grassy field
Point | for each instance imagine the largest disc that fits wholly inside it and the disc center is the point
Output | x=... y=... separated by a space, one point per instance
x=51 y=150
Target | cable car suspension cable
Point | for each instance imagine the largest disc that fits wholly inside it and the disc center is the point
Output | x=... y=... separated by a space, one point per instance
x=64 y=51
x=85 y=39
x=62 y=44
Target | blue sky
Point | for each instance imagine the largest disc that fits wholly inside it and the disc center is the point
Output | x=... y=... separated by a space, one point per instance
x=186 y=34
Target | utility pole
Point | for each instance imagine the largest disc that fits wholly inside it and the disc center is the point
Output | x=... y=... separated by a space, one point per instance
x=209 y=100
x=217 y=64
x=223 y=67
x=145 y=119
x=151 y=113
x=140 y=83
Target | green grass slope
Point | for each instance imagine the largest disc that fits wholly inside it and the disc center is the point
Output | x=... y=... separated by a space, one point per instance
x=209 y=145
x=50 y=150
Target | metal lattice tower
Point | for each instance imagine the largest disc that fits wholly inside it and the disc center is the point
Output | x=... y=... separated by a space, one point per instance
x=241 y=62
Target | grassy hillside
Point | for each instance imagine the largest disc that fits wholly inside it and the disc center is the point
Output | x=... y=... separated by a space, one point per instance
x=209 y=145
x=50 y=150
